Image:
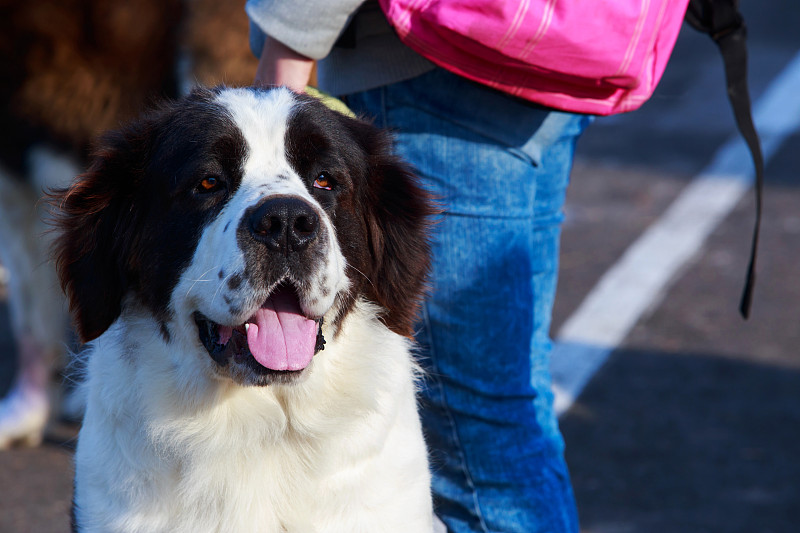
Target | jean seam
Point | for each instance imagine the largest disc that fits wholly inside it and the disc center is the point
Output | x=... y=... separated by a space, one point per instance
x=450 y=420
x=475 y=131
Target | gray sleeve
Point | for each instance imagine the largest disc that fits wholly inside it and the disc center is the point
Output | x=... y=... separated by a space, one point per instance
x=309 y=27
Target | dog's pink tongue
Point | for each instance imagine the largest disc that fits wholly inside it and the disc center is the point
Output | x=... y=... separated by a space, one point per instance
x=281 y=338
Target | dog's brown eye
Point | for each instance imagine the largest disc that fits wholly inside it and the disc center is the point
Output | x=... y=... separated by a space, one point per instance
x=324 y=181
x=209 y=184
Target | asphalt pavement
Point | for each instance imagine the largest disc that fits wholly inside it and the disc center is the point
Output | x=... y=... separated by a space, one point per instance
x=692 y=423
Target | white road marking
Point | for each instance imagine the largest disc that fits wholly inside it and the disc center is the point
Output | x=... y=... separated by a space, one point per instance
x=639 y=280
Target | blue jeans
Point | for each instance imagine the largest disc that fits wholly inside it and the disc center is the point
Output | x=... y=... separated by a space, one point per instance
x=500 y=169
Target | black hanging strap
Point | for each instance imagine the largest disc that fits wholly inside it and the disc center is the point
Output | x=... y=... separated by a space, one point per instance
x=722 y=20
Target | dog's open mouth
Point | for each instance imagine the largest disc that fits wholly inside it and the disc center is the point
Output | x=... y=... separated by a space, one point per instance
x=279 y=337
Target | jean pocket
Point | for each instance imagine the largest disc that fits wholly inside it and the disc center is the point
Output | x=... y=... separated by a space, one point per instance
x=557 y=127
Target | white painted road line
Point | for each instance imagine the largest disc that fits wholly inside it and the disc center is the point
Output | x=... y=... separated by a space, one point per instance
x=641 y=277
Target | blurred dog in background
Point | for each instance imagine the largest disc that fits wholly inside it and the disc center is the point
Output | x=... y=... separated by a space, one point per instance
x=72 y=69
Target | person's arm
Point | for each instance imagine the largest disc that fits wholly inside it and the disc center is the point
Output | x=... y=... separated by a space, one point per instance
x=280 y=65
x=288 y=35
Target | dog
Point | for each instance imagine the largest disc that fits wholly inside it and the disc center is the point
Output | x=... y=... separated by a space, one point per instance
x=247 y=264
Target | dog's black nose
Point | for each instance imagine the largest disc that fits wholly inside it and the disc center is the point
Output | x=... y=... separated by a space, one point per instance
x=284 y=224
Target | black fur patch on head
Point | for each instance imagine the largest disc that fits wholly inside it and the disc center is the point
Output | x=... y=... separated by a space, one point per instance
x=131 y=223
x=380 y=211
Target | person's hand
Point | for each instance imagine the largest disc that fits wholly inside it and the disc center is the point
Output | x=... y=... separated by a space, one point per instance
x=280 y=65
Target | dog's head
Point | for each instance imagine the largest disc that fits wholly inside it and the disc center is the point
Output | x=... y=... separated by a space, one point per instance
x=248 y=216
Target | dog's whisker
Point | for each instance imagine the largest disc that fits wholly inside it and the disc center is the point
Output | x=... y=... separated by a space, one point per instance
x=219 y=287
x=196 y=281
x=365 y=276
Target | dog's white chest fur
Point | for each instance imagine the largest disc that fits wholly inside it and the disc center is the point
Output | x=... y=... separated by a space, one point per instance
x=340 y=452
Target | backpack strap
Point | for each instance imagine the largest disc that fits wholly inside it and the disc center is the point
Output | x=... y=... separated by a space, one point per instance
x=722 y=20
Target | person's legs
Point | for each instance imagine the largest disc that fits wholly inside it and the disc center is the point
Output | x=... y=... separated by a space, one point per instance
x=500 y=169
x=35 y=301
x=25 y=408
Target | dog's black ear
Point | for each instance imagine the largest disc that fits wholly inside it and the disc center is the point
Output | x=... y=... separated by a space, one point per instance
x=95 y=225
x=399 y=215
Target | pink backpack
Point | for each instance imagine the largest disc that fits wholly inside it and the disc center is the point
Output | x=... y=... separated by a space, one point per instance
x=598 y=57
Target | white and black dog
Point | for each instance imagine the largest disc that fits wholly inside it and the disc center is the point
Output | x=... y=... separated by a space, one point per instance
x=247 y=264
